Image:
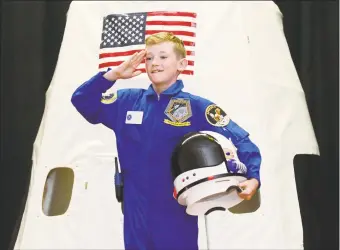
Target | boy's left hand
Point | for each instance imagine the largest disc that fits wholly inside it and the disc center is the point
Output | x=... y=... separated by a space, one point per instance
x=249 y=188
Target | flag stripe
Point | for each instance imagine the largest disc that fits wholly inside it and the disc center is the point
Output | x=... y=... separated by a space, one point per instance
x=115 y=54
x=176 y=13
x=130 y=53
x=175 y=32
x=134 y=47
x=188 y=43
x=183 y=38
x=185 y=72
x=117 y=63
x=124 y=58
x=171 y=27
x=176 y=23
x=170 y=18
x=188 y=71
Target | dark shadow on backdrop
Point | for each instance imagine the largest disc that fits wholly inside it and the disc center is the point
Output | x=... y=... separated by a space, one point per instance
x=312 y=32
x=31 y=37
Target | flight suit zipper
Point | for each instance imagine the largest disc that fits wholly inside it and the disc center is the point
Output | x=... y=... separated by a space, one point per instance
x=150 y=154
x=155 y=123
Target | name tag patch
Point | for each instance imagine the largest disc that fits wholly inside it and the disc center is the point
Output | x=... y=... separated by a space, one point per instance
x=134 y=117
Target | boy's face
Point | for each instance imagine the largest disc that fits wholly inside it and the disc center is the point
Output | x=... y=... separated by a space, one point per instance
x=163 y=64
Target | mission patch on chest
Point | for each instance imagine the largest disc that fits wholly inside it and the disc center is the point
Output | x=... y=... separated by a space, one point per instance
x=178 y=111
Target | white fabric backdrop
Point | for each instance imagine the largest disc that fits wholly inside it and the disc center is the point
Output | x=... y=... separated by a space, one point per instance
x=242 y=63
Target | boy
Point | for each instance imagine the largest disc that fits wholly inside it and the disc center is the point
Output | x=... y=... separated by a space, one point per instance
x=148 y=124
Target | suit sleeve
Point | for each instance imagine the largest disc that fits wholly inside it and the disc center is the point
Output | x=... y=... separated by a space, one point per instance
x=247 y=151
x=96 y=107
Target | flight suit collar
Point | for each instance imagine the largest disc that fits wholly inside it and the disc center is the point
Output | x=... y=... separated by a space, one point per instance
x=172 y=90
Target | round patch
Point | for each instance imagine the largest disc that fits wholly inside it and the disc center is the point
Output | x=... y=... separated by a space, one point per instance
x=109 y=98
x=216 y=116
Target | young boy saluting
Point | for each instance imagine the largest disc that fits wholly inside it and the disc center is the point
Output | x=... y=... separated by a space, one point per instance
x=148 y=124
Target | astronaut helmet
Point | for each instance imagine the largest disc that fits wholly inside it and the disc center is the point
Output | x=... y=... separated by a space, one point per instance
x=206 y=172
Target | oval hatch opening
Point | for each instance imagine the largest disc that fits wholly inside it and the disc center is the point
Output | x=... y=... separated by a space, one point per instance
x=57 y=191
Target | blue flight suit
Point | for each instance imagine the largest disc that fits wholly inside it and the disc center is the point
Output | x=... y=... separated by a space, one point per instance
x=152 y=217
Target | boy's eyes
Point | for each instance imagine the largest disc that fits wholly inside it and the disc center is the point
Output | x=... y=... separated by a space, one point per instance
x=162 y=57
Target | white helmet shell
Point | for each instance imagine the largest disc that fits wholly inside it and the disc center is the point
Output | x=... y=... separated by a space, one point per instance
x=207 y=171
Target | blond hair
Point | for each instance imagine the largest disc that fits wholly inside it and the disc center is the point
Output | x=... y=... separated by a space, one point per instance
x=161 y=37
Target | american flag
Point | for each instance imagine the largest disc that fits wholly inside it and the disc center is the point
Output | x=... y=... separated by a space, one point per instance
x=125 y=34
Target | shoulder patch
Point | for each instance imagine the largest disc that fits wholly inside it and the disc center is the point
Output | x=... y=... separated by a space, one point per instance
x=109 y=98
x=216 y=116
